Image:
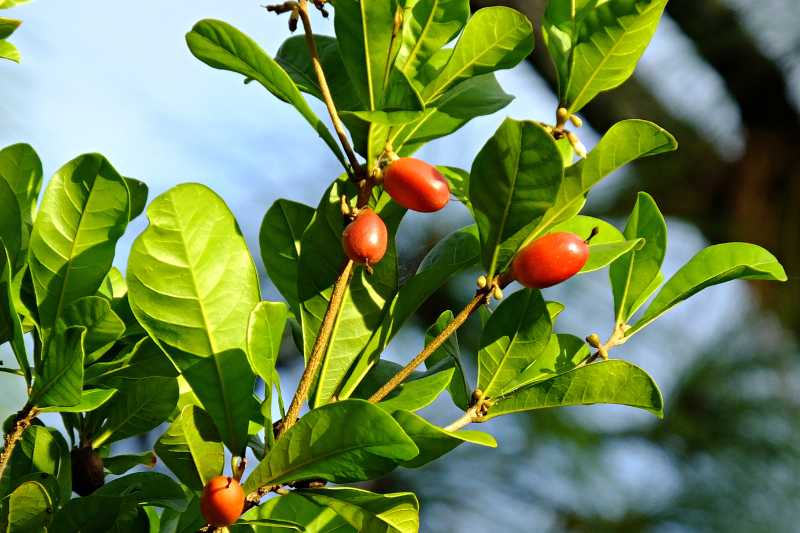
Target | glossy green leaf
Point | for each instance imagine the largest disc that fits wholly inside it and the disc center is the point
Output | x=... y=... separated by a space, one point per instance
x=434 y=442
x=386 y=118
x=458 y=180
x=281 y=232
x=113 y=286
x=419 y=390
x=602 y=255
x=60 y=380
x=632 y=275
x=428 y=25
x=363 y=308
x=103 y=326
x=474 y=97
x=368 y=512
x=30 y=508
x=716 y=264
x=494 y=38
x=192 y=285
x=562 y=353
x=8 y=26
x=623 y=143
x=264 y=335
x=559 y=29
x=83 y=213
x=221 y=46
x=554 y=309
x=21 y=168
x=343 y=442
x=514 y=181
x=138 y=191
x=9 y=51
x=447 y=356
x=517 y=332
x=192 y=448
x=611 y=38
x=297 y=509
x=10 y=326
x=121 y=464
x=11 y=225
x=613 y=381
x=138 y=407
x=90 y=400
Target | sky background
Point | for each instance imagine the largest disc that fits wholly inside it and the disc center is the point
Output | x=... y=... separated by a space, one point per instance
x=117 y=78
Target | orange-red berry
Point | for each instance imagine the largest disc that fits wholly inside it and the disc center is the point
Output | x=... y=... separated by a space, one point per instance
x=365 y=239
x=222 y=502
x=550 y=260
x=416 y=185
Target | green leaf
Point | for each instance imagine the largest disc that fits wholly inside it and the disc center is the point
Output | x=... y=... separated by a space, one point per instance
x=60 y=379
x=5 y=4
x=113 y=286
x=90 y=400
x=9 y=51
x=264 y=335
x=297 y=509
x=192 y=285
x=11 y=226
x=221 y=46
x=474 y=97
x=434 y=442
x=103 y=326
x=516 y=333
x=369 y=512
x=495 y=38
x=365 y=300
x=10 y=326
x=447 y=356
x=613 y=381
x=30 y=508
x=121 y=464
x=562 y=353
x=428 y=25
x=84 y=212
x=143 y=360
x=420 y=390
x=458 y=180
x=138 y=193
x=559 y=28
x=624 y=142
x=386 y=118
x=192 y=448
x=43 y=455
x=716 y=264
x=632 y=275
x=342 y=442
x=139 y=406
x=21 y=168
x=514 y=181
x=611 y=38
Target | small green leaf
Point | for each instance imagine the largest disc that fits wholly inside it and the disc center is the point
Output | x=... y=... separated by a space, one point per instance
x=610 y=39
x=60 y=379
x=192 y=285
x=30 y=508
x=192 y=448
x=447 y=356
x=433 y=442
x=264 y=335
x=386 y=118
x=515 y=335
x=633 y=275
x=90 y=400
x=6 y=4
x=84 y=212
x=143 y=360
x=716 y=264
x=613 y=381
x=103 y=326
x=221 y=46
x=9 y=51
x=514 y=181
x=121 y=464
x=494 y=38
x=368 y=512
x=342 y=442
x=458 y=180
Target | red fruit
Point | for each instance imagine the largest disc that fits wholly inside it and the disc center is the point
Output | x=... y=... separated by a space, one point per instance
x=364 y=239
x=222 y=502
x=550 y=260
x=416 y=185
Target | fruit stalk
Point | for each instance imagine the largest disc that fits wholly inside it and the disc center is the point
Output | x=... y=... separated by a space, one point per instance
x=481 y=297
x=23 y=422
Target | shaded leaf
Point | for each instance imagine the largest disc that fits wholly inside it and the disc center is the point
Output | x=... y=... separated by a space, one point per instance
x=192 y=448
x=60 y=380
x=264 y=335
x=447 y=356
x=103 y=326
x=30 y=508
x=121 y=464
x=10 y=326
x=139 y=406
x=369 y=512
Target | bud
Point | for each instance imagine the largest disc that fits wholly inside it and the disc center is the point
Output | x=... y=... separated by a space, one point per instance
x=497 y=292
x=594 y=340
x=576 y=121
x=561 y=116
x=482 y=282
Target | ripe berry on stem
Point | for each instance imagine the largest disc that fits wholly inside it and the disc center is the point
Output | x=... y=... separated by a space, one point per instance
x=365 y=239
x=416 y=185
x=222 y=501
x=549 y=260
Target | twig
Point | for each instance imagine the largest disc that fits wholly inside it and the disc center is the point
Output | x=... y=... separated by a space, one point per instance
x=481 y=297
x=24 y=420
x=467 y=418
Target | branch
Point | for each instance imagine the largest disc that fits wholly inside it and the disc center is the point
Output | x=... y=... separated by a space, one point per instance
x=23 y=422
x=481 y=297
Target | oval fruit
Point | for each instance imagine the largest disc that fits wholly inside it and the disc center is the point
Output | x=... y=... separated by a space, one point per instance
x=550 y=260
x=222 y=502
x=365 y=239
x=416 y=185
x=88 y=472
